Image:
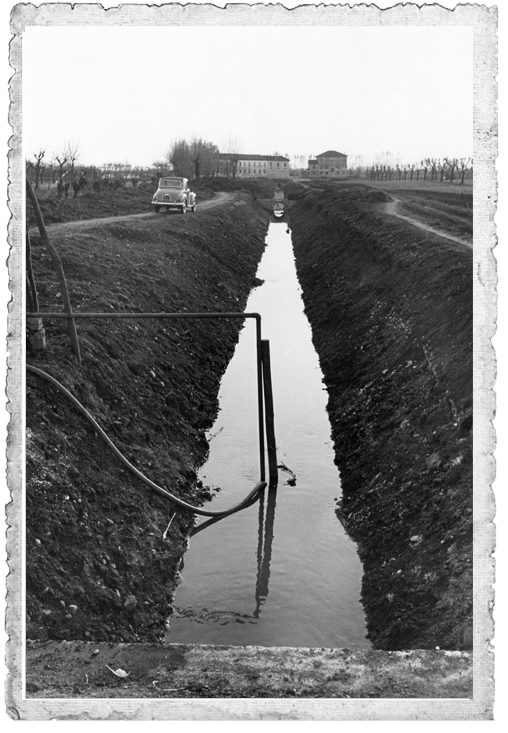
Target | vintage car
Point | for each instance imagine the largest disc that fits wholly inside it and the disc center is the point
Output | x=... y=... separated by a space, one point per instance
x=174 y=193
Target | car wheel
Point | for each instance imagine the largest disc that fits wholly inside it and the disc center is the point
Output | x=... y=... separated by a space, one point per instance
x=184 y=207
x=156 y=209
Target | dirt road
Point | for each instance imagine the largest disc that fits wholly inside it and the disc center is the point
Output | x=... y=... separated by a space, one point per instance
x=220 y=199
x=392 y=209
x=447 y=217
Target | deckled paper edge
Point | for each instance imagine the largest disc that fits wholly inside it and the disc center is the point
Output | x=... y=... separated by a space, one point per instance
x=483 y=19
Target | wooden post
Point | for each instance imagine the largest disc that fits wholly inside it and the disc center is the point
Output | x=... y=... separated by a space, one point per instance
x=261 y=419
x=34 y=300
x=35 y=326
x=269 y=418
x=55 y=257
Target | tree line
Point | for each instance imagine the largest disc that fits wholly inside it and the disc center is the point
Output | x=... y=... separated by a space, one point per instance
x=62 y=172
x=435 y=169
x=59 y=168
x=190 y=159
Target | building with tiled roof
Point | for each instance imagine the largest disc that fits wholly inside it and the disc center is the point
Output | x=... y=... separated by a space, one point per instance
x=331 y=163
x=242 y=165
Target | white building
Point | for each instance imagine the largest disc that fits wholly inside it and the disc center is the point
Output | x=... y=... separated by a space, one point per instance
x=240 y=165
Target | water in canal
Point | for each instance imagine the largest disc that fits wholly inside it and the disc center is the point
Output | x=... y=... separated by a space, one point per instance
x=282 y=572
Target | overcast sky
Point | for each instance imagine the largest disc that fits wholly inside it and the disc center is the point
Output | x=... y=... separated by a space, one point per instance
x=122 y=94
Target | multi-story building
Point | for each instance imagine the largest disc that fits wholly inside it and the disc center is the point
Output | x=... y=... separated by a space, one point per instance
x=331 y=164
x=240 y=165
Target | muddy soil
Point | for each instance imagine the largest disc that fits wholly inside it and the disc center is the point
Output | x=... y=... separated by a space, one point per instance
x=391 y=312
x=78 y=669
x=98 y=565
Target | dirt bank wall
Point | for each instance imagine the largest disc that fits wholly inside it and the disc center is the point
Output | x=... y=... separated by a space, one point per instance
x=98 y=565
x=391 y=314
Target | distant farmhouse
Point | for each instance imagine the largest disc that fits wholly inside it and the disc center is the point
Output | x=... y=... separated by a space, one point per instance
x=240 y=165
x=331 y=163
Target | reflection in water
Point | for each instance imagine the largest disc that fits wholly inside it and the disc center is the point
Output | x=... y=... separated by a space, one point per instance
x=264 y=551
x=265 y=541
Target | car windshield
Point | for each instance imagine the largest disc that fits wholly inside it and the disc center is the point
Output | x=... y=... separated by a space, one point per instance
x=171 y=183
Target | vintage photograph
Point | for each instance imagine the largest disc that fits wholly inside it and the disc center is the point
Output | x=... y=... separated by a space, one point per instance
x=251 y=252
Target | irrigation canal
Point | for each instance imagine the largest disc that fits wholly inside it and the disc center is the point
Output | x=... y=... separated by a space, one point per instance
x=282 y=572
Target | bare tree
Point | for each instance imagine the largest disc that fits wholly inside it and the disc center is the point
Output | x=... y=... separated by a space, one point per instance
x=38 y=165
x=464 y=164
x=61 y=159
x=433 y=168
x=452 y=164
x=425 y=164
x=232 y=147
x=441 y=166
x=72 y=154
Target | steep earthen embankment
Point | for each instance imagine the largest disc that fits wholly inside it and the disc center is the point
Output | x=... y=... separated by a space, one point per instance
x=391 y=313
x=99 y=564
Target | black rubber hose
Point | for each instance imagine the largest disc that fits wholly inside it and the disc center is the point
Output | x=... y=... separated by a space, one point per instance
x=248 y=501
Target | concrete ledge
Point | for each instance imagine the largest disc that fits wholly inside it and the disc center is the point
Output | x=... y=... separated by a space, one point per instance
x=77 y=669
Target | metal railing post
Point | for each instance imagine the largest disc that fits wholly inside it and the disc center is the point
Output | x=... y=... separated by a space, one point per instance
x=269 y=418
x=259 y=352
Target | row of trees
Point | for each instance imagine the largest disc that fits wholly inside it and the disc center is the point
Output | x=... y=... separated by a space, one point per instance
x=62 y=172
x=198 y=157
x=56 y=167
x=192 y=159
x=437 y=169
